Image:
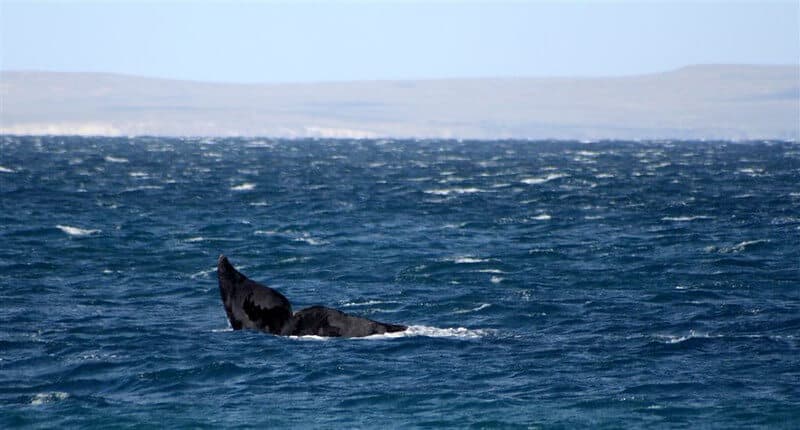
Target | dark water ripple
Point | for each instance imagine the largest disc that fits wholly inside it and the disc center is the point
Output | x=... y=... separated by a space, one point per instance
x=552 y=284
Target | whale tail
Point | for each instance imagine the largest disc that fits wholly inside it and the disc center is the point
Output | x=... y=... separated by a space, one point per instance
x=249 y=304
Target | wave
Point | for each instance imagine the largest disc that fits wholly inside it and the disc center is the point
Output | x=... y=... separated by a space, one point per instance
x=468 y=260
x=493 y=271
x=75 y=231
x=739 y=247
x=542 y=180
x=367 y=303
x=6 y=170
x=686 y=218
x=448 y=191
x=305 y=238
x=111 y=159
x=143 y=187
x=42 y=398
x=415 y=331
x=247 y=186
x=479 y=308
x=673 y=339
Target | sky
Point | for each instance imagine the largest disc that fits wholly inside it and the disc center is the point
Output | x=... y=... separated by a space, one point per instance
x=272 y=42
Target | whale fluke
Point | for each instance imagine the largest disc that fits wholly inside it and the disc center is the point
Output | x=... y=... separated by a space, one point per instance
x=250 y=305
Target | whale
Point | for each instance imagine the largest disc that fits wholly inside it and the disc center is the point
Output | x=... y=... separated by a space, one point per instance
x=251 y=305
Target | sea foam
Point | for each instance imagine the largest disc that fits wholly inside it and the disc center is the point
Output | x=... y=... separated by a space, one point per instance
x=75 y=231
x=416 y=331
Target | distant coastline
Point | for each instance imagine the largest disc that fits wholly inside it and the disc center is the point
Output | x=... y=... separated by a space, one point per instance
x=726 y=102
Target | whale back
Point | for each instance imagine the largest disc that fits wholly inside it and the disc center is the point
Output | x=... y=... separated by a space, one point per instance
x=249 y=304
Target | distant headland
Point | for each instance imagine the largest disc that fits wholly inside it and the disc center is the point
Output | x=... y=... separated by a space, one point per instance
x=731 y=102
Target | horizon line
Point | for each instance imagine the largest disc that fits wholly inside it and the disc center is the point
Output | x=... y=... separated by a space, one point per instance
x=426 y=79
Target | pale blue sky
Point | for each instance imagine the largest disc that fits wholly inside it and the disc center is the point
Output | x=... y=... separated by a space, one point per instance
x=287 y=42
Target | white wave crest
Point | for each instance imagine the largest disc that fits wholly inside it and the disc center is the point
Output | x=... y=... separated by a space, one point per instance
x=479 y=308
x=247 y=186
x=542 y=217
x=111 y=159
x=415 y=331
x=541 y=180
x=203 y=273
x=427 y=331
x=739 y=247
x=309 y=240
x=75 y=231
x=468 y=260
x=672 y=339
x=448 y=191
x=685 y=218
x=367 y=303
x=493 y=271
x=143 y=187
x=6 y=170
x=42 y=398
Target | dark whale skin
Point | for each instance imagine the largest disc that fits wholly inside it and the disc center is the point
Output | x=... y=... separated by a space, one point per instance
x=250 y=305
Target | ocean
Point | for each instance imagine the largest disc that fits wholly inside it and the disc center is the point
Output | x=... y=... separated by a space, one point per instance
x=547 y=284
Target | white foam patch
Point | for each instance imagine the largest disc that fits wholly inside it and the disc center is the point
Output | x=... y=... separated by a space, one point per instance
x=203 y=273
x=367 y=303
x=449 y=191
x=543 y=179
x=479 y=308
x=493 y=271
x=6 y=170
x=111 y=159
x=75 y=231
x=247 y=186
x=415 y=331
x=309 y=240
x=42 y=398
x=686 y=218
x=739 y=247
x=542 y=217
x=143 y=187
x=751 y=171
x=468 y=260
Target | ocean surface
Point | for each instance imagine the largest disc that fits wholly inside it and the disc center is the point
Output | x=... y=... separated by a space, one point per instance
x=547 y=284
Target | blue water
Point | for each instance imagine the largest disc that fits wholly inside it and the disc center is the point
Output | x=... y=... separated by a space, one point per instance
x=548 y=284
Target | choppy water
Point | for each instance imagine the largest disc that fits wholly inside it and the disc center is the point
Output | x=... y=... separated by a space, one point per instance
x=561 y=284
